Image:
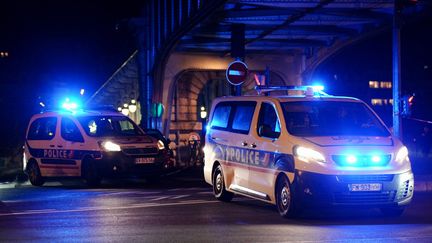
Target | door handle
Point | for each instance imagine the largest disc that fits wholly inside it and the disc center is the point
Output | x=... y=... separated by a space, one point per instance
x=244 y=143
x=52 y=145
x=219 y=139
x=253 y=145
x=59 y=146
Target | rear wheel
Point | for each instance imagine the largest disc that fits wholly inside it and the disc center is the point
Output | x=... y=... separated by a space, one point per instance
x=219 y=189
x=284 y=198
x=34 y=174
x=90 y=173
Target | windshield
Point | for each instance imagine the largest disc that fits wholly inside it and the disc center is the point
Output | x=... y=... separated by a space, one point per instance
x=331 y=118
x=103 y=126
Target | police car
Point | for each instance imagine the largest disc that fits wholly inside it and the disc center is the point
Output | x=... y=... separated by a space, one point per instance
x=90 y=144
x=305 y=148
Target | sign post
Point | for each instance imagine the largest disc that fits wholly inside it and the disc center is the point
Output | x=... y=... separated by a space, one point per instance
x=236 y=74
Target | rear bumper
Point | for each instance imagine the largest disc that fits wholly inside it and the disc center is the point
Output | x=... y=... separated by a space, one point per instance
x=334 y=190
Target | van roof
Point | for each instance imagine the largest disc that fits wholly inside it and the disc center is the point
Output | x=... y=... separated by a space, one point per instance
x=289 y=98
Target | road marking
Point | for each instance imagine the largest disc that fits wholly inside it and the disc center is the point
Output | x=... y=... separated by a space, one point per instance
x=158 y=198
x=180 y=196
x=86 y=209
x=188 y=189
x=128 y=193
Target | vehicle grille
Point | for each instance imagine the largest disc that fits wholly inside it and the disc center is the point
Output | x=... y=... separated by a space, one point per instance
x=362 y=160
x=140 y=151
x=364 y=178
x=365 y=198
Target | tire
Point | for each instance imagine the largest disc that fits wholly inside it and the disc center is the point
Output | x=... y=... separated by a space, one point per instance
x=284 y=198
x=34 y=174
x=219 y=189
x=393 y=211
x=90 y=173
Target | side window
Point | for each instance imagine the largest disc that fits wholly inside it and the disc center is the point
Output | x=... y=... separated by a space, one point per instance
x=42 y=129
x=221 y=116
x=243 y=117
x=70 y=131
x=268 y=122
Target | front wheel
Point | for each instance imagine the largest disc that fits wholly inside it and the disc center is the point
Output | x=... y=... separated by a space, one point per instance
x=34 y=174
x=284 y=198
x=219 y=189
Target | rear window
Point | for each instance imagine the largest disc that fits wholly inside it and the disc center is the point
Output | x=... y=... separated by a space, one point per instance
x=221 y=116
x=233 y=116
x=42 y=129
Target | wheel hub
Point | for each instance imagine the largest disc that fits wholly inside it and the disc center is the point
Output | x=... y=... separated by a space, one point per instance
x=219 y=183
x=285 y=197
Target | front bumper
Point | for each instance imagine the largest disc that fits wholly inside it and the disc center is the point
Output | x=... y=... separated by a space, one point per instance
x=314 y=189
x=114 y=164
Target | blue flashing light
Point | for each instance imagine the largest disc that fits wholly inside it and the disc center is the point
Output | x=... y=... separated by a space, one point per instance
x=318 y=88
x=351 y=159
x=376 y=159
x=70 y=106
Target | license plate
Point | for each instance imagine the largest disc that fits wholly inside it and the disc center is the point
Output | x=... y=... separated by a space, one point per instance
x=365 y=187
x=144 y=160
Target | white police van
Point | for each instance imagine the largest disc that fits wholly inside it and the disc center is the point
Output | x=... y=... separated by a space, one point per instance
x=89 y=144
x=305 y=149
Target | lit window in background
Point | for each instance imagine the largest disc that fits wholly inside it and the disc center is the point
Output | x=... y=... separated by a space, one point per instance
x=376 y=101
x=4 y=54
x=385 y=85
x=373 y=84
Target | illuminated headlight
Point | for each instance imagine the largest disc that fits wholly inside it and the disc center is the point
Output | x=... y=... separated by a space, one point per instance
x=402 y=154
x=110 y=146
x=308 y=155
x=160 y=145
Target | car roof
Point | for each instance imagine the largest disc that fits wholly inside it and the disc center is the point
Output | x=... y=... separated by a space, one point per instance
x=78 y=113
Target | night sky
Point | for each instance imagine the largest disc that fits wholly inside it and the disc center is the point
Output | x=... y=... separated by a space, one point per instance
x=70 y=44
x=76 y=44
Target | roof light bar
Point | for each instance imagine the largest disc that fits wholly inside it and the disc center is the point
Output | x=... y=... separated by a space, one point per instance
x=307 y=90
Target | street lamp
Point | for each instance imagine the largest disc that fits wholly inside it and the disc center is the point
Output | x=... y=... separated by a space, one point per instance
x=132 y=106
x=203 y=113
x=125 y=110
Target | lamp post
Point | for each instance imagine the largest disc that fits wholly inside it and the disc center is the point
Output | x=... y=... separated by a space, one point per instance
x=203 y=115
x=125 y=110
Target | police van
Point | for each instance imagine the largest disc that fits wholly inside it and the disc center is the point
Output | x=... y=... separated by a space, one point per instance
x=91 y=144
x=305 y=148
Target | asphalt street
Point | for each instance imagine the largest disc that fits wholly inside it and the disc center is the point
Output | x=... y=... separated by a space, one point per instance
x=183 y=209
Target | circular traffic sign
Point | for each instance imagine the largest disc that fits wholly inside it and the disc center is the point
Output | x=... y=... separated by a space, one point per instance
x=236 y=72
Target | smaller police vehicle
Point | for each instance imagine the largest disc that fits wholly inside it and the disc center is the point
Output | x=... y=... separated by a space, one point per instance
x=91 y=144
x=305 y=148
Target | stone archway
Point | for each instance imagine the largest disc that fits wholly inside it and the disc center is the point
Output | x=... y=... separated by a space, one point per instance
x=187 y=94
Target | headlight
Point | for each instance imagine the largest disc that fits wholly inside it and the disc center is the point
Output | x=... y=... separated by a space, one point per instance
x=110 y=146
x=308 y=155
x=160 y=145
x=402 y=154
